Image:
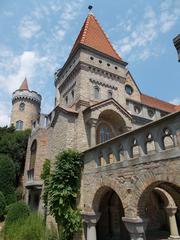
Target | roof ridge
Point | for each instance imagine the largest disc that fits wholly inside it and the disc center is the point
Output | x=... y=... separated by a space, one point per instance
x=158 y=99
x=93 y=35
x=106 y=36
x=85 y=29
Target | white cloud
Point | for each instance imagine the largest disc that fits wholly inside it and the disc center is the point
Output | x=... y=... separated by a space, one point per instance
x=139 y=34
x=28 y=27
x=4 y=114
x=26 y=65
x=175 y=101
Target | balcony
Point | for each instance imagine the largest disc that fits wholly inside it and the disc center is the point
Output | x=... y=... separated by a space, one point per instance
x=31 y=182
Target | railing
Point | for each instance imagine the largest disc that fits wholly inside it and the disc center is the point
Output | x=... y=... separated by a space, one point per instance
x=151 y=139
x=30 y=175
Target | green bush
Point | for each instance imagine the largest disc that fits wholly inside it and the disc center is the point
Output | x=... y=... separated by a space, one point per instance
x=31 y=228
x=7 y=178
x=2 y=206
x=16 y=211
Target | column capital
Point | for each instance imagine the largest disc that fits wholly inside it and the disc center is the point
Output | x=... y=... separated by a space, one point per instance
x=136 y=227
x=93 y=122
x=171 y=210
x=91 y=218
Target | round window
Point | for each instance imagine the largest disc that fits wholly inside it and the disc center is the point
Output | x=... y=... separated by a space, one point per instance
x=151 y=112
x=128 y=89
x=21 y=106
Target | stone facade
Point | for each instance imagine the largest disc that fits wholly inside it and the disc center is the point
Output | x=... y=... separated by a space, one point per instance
x=131 y=153
x=25 y=108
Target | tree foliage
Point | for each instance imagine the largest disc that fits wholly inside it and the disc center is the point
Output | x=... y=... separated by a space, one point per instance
x=2 y=206
x=14 y=143
x=7 y=178
x=64 y=189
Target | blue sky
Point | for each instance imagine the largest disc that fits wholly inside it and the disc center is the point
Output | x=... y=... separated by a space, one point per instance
x=37 y=36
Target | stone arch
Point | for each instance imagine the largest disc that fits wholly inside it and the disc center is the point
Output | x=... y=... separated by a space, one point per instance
x=150 y=180
x=111 y=120
x=168 y=200
x=100 y=189
x=157 y=205
x=108 y=204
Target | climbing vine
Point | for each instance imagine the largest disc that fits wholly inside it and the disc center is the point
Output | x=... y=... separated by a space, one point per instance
x=63 y=190
x=45 y=176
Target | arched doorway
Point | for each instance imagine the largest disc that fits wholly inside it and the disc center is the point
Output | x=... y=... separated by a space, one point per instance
x=110 y=225
x=158 y=204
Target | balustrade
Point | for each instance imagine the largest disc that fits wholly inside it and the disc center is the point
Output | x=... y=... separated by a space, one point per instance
x=153 y=138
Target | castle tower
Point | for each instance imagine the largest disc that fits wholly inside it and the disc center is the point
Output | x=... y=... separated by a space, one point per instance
x=25 y=107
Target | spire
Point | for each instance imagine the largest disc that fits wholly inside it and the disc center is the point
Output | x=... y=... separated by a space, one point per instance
x=24 y=85
x=92 y=35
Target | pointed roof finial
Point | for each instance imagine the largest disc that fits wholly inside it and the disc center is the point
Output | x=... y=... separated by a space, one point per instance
x=24 y=85
x=90 y=7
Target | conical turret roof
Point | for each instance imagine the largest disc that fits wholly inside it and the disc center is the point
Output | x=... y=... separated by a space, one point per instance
x=92 y=35
x=24 y=85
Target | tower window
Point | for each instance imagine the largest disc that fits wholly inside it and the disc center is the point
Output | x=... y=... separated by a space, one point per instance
x=19 y=125
x=72 y=94
x=21 y=106
x=110 y=94
x=66 y=99
x=33 y=154
x=96 y=92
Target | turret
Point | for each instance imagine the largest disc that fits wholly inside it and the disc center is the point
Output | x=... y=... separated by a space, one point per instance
x=26 y=106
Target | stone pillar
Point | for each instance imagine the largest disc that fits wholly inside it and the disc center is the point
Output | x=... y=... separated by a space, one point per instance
x=91 y=219
x=136 y=227
x=172 y=222
x=93 y=123
x=158 y=142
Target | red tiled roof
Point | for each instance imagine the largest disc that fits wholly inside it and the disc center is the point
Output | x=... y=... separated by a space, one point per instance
x=92 y=35
x=24 y=85
x=157 y=103
x=177 y=108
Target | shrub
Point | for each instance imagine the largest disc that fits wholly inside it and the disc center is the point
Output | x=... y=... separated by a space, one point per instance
x=2 y=206
x=7 y=177
x=31 y=228
x=16 y=211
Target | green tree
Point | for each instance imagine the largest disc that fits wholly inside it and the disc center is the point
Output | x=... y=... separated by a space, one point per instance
x=14 y=144
x=7 y=178
x=64 y=189
x=2 y=206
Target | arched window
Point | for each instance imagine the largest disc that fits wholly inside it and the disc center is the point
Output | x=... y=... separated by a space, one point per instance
x=33 y=154
x=21 y=106
x=104 y=133
x=19 y=125
x=96 y=92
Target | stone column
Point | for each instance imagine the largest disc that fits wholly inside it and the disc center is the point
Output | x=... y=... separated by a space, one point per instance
x=91 y=219
x=93 y=123
x=172 y=222
x=136 y=227
x=158 y=142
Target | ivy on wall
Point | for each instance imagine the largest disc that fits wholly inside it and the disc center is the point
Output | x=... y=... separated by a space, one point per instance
x=63 y=192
